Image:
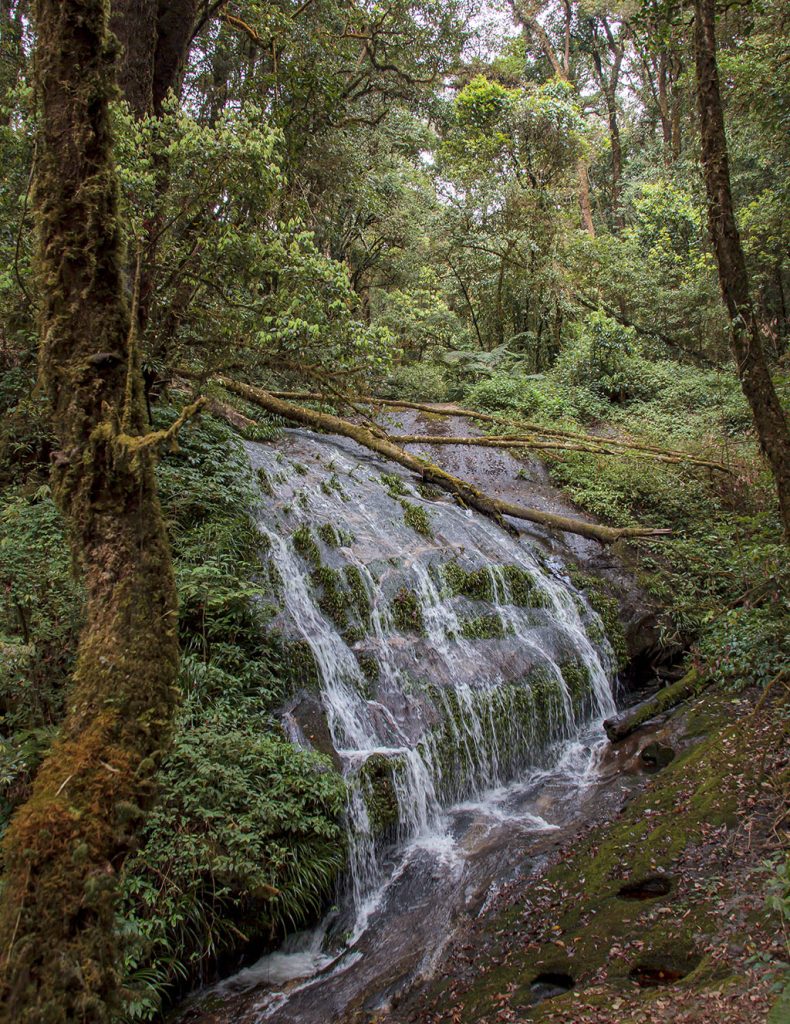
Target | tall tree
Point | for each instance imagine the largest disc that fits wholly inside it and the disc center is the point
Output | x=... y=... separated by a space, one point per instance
x=745 y=336
x=64 y=846
x=527 y=13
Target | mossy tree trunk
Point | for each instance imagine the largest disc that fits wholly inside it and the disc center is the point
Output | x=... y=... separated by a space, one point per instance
x=745 y=336
x=65 y=845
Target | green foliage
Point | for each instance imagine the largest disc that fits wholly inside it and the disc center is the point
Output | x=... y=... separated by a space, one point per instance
x=40 y=610
x=417 y=382
x=484 y=627
x=606 y=360
x=513 y=393
x=243 y=842
x=245 y=839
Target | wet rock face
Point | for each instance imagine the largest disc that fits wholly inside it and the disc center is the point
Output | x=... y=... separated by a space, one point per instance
x=524 y=480
x=437 y=654
x=305 y=723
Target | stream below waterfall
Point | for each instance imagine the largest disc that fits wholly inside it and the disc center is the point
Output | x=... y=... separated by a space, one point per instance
x=454 y=675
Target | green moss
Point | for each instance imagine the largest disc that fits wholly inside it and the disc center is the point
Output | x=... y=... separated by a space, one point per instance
x=360 y=599
x=369 y=665
x=577 y=679
x=334 y=537
x=608 y=610
x=484 y=627
x=417 y=517
x=476 y=584
x=379 y=791
x=333 y=486
x=304 y=543
x=396 y=488
x=407 y=613
x=332 y=599
x=523 y=589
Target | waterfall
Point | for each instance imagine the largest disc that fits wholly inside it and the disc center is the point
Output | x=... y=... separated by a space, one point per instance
x=449 y=655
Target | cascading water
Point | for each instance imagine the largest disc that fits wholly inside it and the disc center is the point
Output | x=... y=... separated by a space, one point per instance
x=454 y=675
x=449 y=656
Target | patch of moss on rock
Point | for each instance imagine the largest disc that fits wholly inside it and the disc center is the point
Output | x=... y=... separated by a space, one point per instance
x=416 y=517
x=396 y=488
x=522 y=588
x=407 y=613
x=305 y=544
x=485 y=627
x=358 y=592
x=334 y=537
x=332 y=599
x=476 y=584
x=379 y=791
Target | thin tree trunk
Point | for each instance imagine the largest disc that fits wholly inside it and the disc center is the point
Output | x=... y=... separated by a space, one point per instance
x=584 y=197
x=746 y=341
x=64 y=847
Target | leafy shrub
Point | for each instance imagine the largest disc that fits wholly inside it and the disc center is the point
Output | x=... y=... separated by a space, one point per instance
x=605 y=358
x=243 y=843
x=514 y=393
x=245 y=839
x=417 y=382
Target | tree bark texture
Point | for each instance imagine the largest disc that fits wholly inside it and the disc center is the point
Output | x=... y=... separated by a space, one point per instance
x=65 y=845
x=745 y=337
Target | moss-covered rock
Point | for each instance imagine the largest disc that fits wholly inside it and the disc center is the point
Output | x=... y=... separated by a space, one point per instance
x=407 y=613
x=379 y=790
x=417 y=517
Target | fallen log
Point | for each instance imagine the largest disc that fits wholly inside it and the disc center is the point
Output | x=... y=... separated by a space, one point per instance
x=655 y=707
x=464 y=493
x=560 y=445
x=450 y=409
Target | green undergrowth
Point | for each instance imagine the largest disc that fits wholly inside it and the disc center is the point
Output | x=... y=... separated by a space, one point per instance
x=720 y=581
x=245 y=840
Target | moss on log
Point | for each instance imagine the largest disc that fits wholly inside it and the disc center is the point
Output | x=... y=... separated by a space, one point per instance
x=665 y=700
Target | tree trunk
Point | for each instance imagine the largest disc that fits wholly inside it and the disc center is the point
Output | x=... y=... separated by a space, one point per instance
x=584 y=197
x=746 y=341
x=617 y=155
x=64 y=847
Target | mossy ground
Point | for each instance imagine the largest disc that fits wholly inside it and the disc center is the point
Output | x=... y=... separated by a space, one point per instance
x=706 y=822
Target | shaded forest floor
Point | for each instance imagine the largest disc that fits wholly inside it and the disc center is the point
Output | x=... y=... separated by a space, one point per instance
x=703 y=951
